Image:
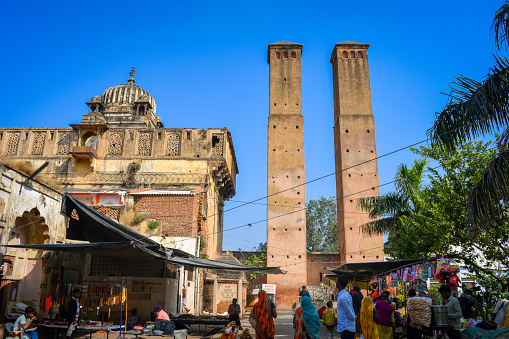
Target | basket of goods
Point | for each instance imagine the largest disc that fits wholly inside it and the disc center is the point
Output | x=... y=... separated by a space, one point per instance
x=419 y=311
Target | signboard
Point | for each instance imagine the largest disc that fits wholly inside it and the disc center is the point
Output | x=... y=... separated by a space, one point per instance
x=227 y=291
x=255 y=291
x=269 y=288
x=147 y=286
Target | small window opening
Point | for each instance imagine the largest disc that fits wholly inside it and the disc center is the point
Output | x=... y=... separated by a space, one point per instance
x=274 y=126
x=285 y=55
x=274 y=104
x=286 y=229
x=352 y=54
x=294 y=55
x=285 y=79
x=278 y=55
x=371 y=151
x=1 y=134
x=159 y=136
x=297 y=127
x=320 y=275
x=377 y=256
x=298 y=192
x=300 y=256
x=351 y=200
x=273 y=229
x=351 y=256
x=351 y=229
x=368 y=130
x=347 y=150
x=274 y=149
x=272 y=256
x=51 y=135
x=287 y=256
x=345 y=54
x=346 y=131
x=363 y=257
x=298 y=203
x=349 y=175
x=360 y=55
x=298 y=177
x=300 y=229
x=215 y=140
x=188 y=135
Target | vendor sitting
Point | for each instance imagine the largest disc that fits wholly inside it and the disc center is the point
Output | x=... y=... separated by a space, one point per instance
x=23 y=323
x=133 y=319
x=159 y=314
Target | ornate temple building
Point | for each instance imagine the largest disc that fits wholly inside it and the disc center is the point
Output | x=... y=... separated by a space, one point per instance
x=166 y=183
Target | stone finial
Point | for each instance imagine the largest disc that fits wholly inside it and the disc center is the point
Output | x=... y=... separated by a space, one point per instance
x=96 y=98
x=131 y=73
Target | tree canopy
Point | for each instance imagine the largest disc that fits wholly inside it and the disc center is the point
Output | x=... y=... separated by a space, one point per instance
x=322 y=225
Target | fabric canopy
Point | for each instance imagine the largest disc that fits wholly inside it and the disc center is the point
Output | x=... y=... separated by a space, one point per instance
x=214 y=264
x=111 y=249
x=107 y=237
x=365 y=271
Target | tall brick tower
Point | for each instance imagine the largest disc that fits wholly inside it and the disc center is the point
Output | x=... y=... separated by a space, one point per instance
x=354 y=143
x=286 y=235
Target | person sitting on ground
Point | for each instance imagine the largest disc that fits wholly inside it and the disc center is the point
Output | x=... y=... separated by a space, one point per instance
x=160 y=314
x=234 y=313
x=230 y=331
x=23 y=322
x=330 y=319
x=133 y=319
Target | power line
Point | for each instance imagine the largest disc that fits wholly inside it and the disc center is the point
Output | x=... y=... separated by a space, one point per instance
x=334 y=173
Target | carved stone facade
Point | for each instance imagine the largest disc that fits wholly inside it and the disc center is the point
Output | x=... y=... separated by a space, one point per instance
x=120 y=129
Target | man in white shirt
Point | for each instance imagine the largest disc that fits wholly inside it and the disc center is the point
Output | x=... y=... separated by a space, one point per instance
x=346 y=314
x=24 y=321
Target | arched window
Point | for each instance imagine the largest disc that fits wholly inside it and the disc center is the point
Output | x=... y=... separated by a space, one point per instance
x=360 y=55
x=285 y=55
x=278 y=55
x=294 y=55
x=345 y=54
x=352 y=54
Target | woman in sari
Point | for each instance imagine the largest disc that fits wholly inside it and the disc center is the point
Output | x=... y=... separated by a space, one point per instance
x=262 y=317
x=368 y=319
x=306 y=320
x=386 y=322
x=230 y=331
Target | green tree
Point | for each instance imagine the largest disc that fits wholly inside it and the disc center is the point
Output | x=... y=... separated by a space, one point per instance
x=388 y=210
x=322 y=225
x=440 y=226
x=480 y=108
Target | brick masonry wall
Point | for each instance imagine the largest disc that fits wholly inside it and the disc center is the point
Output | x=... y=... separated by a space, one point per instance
x=177 y=213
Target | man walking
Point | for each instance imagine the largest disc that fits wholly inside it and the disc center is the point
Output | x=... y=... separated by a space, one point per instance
x=346 y=315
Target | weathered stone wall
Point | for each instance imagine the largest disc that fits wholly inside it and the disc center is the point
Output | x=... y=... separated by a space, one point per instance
x=286 y=233
x=317 y=263
x=178 y=214
x=28 y=215
x=354 y=143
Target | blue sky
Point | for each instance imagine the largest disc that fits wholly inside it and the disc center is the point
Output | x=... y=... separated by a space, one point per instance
x=205 y=64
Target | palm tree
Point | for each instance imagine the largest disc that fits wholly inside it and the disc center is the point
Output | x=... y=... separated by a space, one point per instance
x=480 y=108
x=404 y=202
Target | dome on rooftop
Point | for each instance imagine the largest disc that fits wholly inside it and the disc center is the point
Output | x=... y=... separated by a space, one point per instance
x=127 y=94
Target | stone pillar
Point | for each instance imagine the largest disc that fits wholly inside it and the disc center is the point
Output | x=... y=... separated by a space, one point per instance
x=286 y=233
x=240 y=297
x=214 y=299
x=354 y=143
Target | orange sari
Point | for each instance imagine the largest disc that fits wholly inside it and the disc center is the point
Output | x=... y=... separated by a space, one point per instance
x=261 y=317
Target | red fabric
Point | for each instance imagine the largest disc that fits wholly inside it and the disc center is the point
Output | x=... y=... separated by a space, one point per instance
x=320 y=311
x=47 y=303
x=261 y=317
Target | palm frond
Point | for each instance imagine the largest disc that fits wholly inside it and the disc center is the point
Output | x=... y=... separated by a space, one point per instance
x=391 y=204
x=408 y=181
x=486 y=200
x=475 y=108
x=500 y=25
x=381 y=226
